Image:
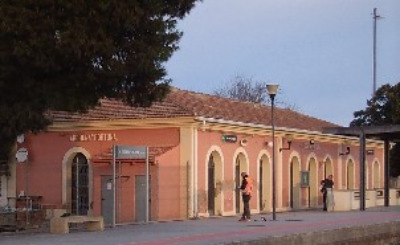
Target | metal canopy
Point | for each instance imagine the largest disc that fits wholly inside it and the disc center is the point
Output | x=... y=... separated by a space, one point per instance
x=387 y=133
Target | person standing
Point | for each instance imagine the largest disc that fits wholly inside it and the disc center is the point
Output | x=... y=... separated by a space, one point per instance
x=246 y=187
x=327 y=193
x=323 y=191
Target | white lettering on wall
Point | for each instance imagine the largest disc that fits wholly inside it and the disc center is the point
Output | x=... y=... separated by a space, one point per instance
x=93 y=137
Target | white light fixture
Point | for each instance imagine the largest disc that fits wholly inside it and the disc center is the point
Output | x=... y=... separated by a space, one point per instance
x=272 y=89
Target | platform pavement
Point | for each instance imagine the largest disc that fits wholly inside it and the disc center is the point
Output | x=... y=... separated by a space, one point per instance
x=220 y=230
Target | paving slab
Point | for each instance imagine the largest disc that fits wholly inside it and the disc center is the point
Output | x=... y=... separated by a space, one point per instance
x=218 y=230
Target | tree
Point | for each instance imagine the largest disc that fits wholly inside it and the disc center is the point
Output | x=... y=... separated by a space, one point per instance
x=244 y=89
x=383 y=109
x=67 y=54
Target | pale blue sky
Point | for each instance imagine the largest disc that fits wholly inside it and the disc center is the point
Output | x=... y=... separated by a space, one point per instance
x=318 y=51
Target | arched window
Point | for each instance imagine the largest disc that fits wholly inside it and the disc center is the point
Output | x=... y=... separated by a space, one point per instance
x=79 y=185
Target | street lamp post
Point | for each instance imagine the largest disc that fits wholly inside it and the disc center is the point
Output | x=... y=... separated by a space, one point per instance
x=272 y=89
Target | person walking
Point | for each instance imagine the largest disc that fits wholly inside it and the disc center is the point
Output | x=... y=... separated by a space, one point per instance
x=246 y=187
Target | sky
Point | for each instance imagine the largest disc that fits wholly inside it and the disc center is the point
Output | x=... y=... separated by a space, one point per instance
x=320 y=52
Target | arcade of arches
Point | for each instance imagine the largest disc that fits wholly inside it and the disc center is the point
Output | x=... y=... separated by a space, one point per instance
x=223 y=179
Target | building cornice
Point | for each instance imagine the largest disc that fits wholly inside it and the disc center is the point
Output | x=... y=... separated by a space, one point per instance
x=122 y=124
x=215 y=124
x=208 y=124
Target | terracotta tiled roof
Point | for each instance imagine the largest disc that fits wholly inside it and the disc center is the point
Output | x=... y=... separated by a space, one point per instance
x=181 y=103
x=234 y=110
x=113 y=109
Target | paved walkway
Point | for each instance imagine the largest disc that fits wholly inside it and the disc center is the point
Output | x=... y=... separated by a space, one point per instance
x=211 y=230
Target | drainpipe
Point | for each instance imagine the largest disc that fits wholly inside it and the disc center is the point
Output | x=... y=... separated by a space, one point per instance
x=195 y=173
x=362 y=170
x=386 y=173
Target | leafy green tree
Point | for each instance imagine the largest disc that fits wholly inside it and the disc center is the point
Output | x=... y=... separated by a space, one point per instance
x=383 y=109
x=67 y=54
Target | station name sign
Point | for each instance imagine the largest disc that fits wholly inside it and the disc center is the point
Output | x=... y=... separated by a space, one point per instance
x=130 y=152
x=229 y=138
x=93 y=137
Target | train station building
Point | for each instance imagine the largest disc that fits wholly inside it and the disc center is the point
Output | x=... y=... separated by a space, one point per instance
x=195 y=145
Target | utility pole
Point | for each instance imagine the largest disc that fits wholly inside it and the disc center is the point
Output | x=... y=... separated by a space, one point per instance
x=375 y=17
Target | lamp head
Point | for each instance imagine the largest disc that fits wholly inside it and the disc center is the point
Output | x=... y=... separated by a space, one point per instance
x=272 y=89
x=289 y=138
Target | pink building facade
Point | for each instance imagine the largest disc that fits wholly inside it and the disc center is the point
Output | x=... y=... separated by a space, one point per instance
x=197 y=148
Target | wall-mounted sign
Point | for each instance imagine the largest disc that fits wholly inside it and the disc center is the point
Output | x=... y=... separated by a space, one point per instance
x=21 y=155
x=370 y=152
x=21 y=138
x=229 y=138
x=93 y=137
x=130 y=152
x=304 y=178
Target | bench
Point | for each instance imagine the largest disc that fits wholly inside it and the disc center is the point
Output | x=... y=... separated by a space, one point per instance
x=60 y=225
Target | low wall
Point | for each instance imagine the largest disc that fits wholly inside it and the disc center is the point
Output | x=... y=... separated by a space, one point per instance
x=346 y=200
x=375 y=234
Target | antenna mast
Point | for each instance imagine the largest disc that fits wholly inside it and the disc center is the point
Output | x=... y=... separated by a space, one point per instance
x=375 y=16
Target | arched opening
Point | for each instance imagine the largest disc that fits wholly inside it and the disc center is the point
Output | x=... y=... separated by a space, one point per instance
x=328 y=170
x=240 y=166
x=211 y=186
x=313 y=185
x=81 y=156
x=264 y=191
x=295 y=184
x=350 y=175
x=214 y=184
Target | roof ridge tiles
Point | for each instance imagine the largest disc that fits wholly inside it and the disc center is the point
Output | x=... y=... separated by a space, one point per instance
x=183 y=103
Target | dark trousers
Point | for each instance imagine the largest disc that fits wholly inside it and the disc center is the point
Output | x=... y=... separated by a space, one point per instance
x=324 y=194
x=246 y=204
